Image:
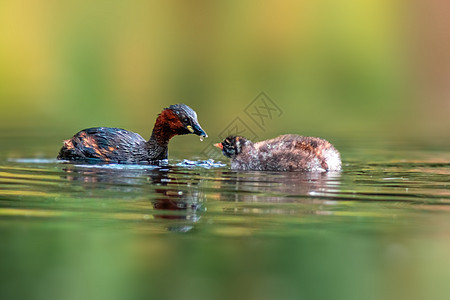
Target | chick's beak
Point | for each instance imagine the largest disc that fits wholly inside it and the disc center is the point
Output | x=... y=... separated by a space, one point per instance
x=196 y=129
x=219 y=145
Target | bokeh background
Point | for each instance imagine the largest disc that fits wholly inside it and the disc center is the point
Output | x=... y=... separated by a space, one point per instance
x=339 y=69
x=352 y=71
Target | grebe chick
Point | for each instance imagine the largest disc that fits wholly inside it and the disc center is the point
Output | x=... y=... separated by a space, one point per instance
x=288 y=152
x=115 y=145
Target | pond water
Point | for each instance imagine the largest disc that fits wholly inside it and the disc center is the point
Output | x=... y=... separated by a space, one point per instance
x=196 y=230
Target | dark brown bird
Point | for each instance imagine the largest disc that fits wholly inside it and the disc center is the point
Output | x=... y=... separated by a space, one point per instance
x=115 y=145
x=288 y=152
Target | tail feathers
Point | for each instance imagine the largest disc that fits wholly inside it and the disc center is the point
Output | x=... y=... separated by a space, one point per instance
x=70 y=154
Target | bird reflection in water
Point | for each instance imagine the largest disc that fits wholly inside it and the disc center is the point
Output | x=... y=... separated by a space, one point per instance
x=173 y=195
x=310 y=192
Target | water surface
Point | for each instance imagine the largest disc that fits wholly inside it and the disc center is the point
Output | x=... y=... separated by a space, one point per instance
x=197 y=230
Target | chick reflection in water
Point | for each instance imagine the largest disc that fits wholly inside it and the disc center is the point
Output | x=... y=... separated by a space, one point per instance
x=171 y=198
x=309 y=192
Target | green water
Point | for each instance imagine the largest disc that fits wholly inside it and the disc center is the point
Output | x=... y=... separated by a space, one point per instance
x=378 y=230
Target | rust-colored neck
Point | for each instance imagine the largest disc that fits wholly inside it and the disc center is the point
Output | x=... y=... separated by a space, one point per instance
x=165 y=128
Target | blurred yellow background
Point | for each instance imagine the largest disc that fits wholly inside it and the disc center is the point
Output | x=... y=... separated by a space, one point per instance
x=335 y=68
x=344 y=70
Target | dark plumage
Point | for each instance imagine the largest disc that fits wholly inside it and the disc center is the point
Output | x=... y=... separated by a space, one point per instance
x=288 y=152
x=115 y=145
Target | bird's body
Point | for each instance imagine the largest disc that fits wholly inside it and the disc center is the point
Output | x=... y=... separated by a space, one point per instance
x=115 y=145
x=110 y=145
x=288 y=152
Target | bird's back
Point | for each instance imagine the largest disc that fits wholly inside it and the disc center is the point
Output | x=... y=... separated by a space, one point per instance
x=104 y=144
x=292 y=152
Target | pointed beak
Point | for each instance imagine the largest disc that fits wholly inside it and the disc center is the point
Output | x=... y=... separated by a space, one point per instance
x=219 y=145
x=196 y=129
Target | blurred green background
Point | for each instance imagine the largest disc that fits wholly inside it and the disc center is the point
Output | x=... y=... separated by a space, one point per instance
x=336 y=68
x=346 y=70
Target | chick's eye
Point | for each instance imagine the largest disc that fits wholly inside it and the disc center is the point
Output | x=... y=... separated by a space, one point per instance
x=186 y=120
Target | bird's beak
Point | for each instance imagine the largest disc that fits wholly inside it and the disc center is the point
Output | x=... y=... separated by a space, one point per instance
x=219 y=145
x=196 y=129
x=189 y=127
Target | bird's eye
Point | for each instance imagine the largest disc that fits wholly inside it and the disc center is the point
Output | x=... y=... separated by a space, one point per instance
x=185 y=120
